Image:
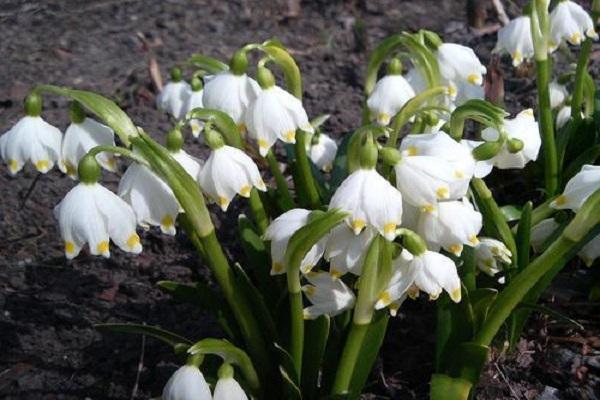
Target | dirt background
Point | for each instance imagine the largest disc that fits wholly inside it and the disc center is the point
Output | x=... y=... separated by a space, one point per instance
x=48 y=346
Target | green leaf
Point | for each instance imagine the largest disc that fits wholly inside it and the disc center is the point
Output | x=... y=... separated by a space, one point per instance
x=169 y=338
x=286 y=365
x=481 y=301
x=553 y=313
x=317 y=332
x=290 y=388
x=523 y=236
x=230 y=354
x=107 y=110
x=208 y=64
x=319 y=120
x=444 y=387
x=257 y=254
x=339 y=171
x=222 y=121
x=511 y=213
x=281 y=57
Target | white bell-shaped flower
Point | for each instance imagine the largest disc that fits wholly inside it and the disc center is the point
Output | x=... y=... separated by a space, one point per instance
x=515 y=38
x=231 y=94
x=524 y=128
x=579 y=188
x=228 y=171
x=187 y=383
x=362 y=194
x=81 y=137
x=279 y=233
x=563 y=116
x=541 y=232
x=440 y=145
x=322 y=151
x=275 y=114
x=452 y=225
x=489 y=253
x=482 y=167
x=389 y=95
x=92 y=214
x=558 y=94
x=466 y=91
x=328 y=295
x=591 y=251
x=229 y=389
x=173 y=97
x=460 y=64
x=346 y=251
x=403 y=279
x=31 y=140
x=570 y=22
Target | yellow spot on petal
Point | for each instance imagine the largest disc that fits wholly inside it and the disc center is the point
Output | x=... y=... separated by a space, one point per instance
x=69 y=247
x=442 y=193
x=474 y=79
x=575 y=38
x=394 y=308
x=223 y=202
x=242 y=128
x=133 y=241
x=452 y=91
x=388 y=228
x=13 y=165
x=434 y=296
x=385 y=298
x=70 y=169
x=335 y=273
x=310 y=290
x=327 y=168
x=383 y=118
x=42 y=165
x=455 y=295
x=473 y=240
x=413 y=292
x=495 y=250
x=528 y=112
x=277 y=267
x=262 y=143
x=167 y=222
x=306 y=314
x=561 y=200
x=245 y=191
x=458 y=174
x=428 y=208
x=290 y=135
x=112 y=163
x=412 y=151
x=456 y=249
x=489 y=262
x=358 y=225
x=102 y=247
x=517 y=57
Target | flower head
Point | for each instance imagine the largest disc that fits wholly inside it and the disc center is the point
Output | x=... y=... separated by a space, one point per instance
x=92 y=214
x=459 y=64
x=31 y=139
x=228 y=388
x=279 y=233
x=570 y=22
x=578 y=189
x=563 y=116
x=231 y=94
x=195 y=101
x=328 y=294
x=346 y=251
x=515 y=38
x=229 y=171
x=322 y=151
x=370 y=200
x=488 y=253
x=187 y=383
x=389 y=95
x=558 y=94
x=173 y=98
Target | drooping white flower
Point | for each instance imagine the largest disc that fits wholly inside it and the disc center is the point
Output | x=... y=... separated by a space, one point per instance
x=452 y=225
x=515 y=38
x=389 y=95
x=31 y=140
x=346 y=251
x=92 y=214
x=563 y=116
x=590 y=251
x=460 y=64
x=328 y=295
x=322 y=151
x=187 y=383
x=82 y=137
x=482 y=167
x=466 y=91
x=195 y=101
x=578 y=189
x=558 y=94
x=231 y=94
x=541 y=232
x=371 y=200
x=430 y=272
x=488 y=253
x=570 y=22
x=229 y=389
x=173 y=97
x=524 y=128
x=275 y=114
x=279 y=233
x=440 y=145
x=229 y=171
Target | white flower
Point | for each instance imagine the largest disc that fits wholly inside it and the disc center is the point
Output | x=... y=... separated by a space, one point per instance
x=82 y=137
x=195 y=101
x=328 y=294
x=488 y=253
x=440 y=145
x=541 y=232
x=370 y=200
x=229 y=389
x=423 y=180
x=92 y=214
x=515 y=38
x=229 y=171
x=31 y=139
x=570 y=22
x=346 y=251
x=578 y=189
x=467 y=91
x=275 y=114
x=322 y=151
x=563 y=116
x=524 y=128
x=558 y=94
x=187 y=383
x=590 y=251
x=173 y=97
x=430 y=272
x=389 y=95
x=452 y=225
x=482 y=167
x=231 y=94
x=279 y=233
x=459 y=64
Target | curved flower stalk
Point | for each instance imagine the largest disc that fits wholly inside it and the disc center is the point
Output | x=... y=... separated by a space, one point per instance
x=328 y=294
x=569 y=22
x=515 y=38
x=174 y=96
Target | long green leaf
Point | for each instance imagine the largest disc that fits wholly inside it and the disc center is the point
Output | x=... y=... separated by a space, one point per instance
x=208 y=64
x=317 y=332
x=444 y=387
x=169 y=338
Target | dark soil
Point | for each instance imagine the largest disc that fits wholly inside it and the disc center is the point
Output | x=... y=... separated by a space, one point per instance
x=48 y=345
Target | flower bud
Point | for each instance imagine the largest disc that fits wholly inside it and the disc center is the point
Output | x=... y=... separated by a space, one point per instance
x=89 y=169
x=176 y=74
x=239 y=62
x=33 y=105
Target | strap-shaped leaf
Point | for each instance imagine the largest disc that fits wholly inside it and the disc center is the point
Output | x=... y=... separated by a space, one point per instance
x=208 y=64
x=222 y=121
x=286 y=62
x=317 y=333
x=107 y=110
x=230 y=354
x=444 y=387
x=170 y=338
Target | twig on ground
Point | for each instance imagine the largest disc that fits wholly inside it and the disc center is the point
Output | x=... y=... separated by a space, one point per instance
x=30 y=190
x=506 y=381
x=139 y=369
x=499 y=7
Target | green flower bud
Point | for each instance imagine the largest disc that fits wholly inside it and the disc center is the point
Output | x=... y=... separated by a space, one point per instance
x=76 y=113
x=514 y=145
x=239 y=62
x=413 y=242
x=213 y=139
x=368 y=153
x=176 y=74
x=175 y=140
x=486 y=150
x=390 y=155
x=89 y=169
x=33 y=105
x=196 y=84
x=394 y=67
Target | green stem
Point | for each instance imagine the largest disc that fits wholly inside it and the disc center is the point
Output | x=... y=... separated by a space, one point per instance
x=539 y=213
x=547 y=127
x=258 y=211
x=117 y=150
x=582 y=64
x=305 y=176
x=281 y=182
x=468 y=269
x=349 y=358
x=297 y=320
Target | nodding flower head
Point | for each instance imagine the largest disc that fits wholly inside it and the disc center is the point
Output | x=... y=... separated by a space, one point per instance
x=328 y=295
x=569 y=22
x=578 y=189
x=515 y=38
x=187 y=383
x=390 y=94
